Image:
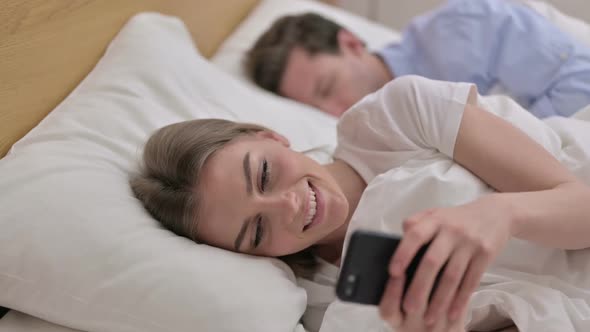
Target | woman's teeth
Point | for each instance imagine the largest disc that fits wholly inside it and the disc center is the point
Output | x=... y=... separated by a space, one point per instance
x=312 y=207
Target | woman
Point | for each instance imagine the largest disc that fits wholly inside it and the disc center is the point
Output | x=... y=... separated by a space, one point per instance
x=240 y=187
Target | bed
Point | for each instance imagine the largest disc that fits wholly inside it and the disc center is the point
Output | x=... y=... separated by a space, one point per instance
x=78 y=253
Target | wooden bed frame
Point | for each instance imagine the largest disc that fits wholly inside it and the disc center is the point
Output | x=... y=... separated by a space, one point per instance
x=48 y=46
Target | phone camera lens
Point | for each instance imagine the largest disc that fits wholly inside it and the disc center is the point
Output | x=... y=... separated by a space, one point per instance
x=351 y=280
x=348 y=291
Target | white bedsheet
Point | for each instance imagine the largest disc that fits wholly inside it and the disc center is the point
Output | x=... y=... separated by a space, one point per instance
x=18 y=322
x=537 y=288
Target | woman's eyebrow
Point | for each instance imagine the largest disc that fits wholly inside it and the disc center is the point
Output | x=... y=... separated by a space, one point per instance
x=247 y=173
x=248 y=177
x=240 y=237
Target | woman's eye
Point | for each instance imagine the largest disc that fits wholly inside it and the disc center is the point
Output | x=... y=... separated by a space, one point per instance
x=258 y=232
x=264 y=176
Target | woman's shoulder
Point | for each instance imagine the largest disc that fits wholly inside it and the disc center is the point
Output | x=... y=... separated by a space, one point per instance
x=406 y=99
x=371 y=106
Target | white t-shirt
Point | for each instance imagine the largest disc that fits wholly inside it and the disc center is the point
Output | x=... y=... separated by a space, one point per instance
x=401 y=141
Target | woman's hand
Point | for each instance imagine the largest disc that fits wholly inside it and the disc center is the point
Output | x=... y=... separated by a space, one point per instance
x=412 y=322
x=466 y=238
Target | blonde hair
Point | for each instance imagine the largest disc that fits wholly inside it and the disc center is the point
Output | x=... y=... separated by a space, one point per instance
x=173 y=159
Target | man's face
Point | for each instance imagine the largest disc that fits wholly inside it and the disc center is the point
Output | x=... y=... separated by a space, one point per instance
x=330 y=82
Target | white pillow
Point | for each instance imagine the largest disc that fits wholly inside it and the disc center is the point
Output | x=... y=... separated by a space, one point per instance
x=77 y=249
x=15 y=321
x=576 y=28
x=232 y=51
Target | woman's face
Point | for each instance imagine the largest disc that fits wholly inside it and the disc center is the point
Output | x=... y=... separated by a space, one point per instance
x=260 y=197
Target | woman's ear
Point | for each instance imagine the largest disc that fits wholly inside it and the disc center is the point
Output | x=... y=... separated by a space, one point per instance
x=274 y=136
x=349 y=42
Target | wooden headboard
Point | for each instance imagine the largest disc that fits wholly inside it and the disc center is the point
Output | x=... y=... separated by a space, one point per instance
x=48 y=46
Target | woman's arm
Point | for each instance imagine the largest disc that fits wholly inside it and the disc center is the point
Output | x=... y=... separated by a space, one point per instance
x=539 y=200
x=546 y=203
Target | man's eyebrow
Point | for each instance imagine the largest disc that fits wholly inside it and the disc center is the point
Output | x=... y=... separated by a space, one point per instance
x=247 y=173
x=240 y=237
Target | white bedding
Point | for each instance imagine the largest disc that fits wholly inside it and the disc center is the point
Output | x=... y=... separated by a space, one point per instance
x=505 y=300
x=86 y=254
x=15 y=321
x=539 y=289
x=18 y=322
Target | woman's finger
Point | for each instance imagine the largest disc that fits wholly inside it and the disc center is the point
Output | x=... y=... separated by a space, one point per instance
x=416 y=218
x=475 y=270
x=435 y=257
x=450 y=279
x=413 y=239
x=390 y=306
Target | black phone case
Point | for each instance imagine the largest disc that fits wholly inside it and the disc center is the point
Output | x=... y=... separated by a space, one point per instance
x=364 y=272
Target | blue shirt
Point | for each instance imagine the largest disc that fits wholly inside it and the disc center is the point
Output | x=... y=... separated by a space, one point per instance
x=497 y=43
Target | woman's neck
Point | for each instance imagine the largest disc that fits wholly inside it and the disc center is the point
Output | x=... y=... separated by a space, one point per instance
x=352 y=185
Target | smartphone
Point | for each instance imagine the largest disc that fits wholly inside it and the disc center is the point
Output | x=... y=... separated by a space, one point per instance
x=364 y=272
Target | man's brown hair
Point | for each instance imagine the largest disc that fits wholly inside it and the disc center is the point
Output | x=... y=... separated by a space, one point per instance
x=266 y=61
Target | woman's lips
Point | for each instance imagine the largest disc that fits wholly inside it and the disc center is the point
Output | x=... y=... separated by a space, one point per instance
x=318 y=218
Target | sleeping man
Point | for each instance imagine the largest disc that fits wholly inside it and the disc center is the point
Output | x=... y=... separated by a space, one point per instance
x=501 y=46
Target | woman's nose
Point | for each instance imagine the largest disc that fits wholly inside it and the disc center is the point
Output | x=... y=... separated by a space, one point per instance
x=287 y=206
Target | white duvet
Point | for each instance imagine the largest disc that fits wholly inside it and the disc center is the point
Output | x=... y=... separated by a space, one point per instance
x=539 y=289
